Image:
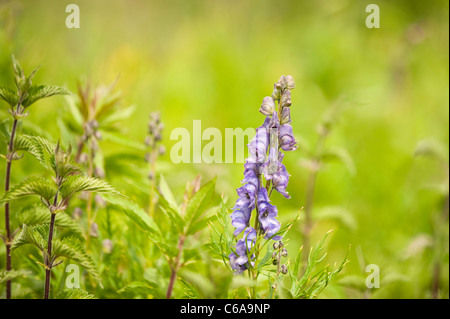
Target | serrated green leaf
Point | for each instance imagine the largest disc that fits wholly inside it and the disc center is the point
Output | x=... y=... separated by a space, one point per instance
x=72 y=248
x=9 y=96
x=79 y=183
x=12 y=274
x=31 y=186
x=32 y=235
x=38 y=92
x=74 y=294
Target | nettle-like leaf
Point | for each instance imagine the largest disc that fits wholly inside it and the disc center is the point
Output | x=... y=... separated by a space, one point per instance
x=31 y=186
x=12 y=274
x=9 y=96
x=78 y=183
x=37 y=92
x=74 y=294
x=72 y=248
x=38 y=214
x=36 y=235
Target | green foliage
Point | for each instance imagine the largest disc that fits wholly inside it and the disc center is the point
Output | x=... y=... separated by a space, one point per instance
x=38 y=186
x=35 y=93
x=12 y=274
x=313 y=280
x=79 y=183
x=74 y=294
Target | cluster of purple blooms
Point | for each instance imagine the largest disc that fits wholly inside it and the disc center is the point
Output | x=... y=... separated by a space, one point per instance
x=273 y=137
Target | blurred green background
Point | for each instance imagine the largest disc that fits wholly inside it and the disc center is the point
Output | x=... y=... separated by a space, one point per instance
x=216 y=60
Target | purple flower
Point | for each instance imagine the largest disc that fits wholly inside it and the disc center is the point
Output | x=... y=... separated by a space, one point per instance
x=239 y=261
x=286 y=138
x=259 y=144
x=267 y=216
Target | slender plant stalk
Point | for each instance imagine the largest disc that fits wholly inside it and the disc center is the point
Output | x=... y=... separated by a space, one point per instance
x=8 y=239
x=48 y=259
x=151 y=205
x=309 y=200
x=176 y=266
x=48 y=264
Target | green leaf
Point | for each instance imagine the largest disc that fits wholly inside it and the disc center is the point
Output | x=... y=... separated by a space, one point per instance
x=74 y=294
x=36 y=235
x=80 y=183
x=165 y=191
x=38 y=92
x=143 y=288
x=135 y=213
x=12 y=274
x=31 y=186
x=72 y=248
x=9 y=96
x=38 y=214
x=198 y=203
x=121 y=140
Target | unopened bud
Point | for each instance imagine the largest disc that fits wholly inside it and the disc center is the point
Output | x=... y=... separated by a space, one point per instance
x=284 y=269
x=286 y=116
x=275 y=262
x=290 y=83
x=151 y=175
x=98 y=135
x=268 y=106
x=94 y=230
x=286 y=99
x=162 y=150
x=107 y=246
x=276 y=245
x=284 y=252
x=100 y=201
x=77 y=213
x=276 y=92
x=282 y=82
x=100 y=173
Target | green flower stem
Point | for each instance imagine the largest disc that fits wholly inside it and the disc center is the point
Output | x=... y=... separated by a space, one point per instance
x=8 y=238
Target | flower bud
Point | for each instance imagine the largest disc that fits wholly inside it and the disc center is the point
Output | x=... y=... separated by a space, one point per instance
x=286 y=99
x=268 y=106
x=281 y=244
x=151 y=175
x=276 y=92
x=98 y=135
x=284 y=252
x=290 y=83
x=77 y=213
x=286 y=116
x=275 y=262
x=284 y=269
x=274 y=254
x=100 y=201
x=100 y=173
x=282 y=83
x=161 y=150
x=276 y=245
x=94 y=230
x=107 y=246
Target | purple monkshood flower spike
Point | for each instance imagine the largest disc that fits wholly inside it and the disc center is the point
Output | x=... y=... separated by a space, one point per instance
x=271 y=137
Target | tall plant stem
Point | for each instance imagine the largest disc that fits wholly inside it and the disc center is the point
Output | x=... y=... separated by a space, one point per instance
x=309 y=200
x=176 y=266
x=8 y=238
x=48 y=260
x=151 y=205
